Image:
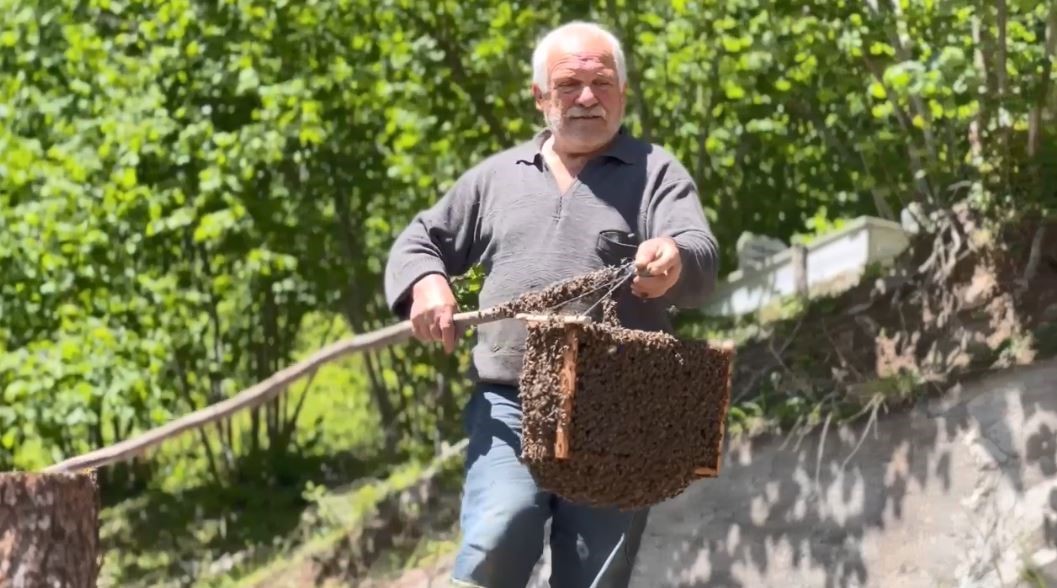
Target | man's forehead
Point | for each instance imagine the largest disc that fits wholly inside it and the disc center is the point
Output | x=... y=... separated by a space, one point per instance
x=590 y=61
x=581 y=53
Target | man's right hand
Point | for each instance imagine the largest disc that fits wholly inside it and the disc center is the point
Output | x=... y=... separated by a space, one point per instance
x=433 y=307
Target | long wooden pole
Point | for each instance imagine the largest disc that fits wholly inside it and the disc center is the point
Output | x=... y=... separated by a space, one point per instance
x=260 y=392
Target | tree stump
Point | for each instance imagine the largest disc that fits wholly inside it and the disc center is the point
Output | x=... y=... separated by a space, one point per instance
x=49 y=530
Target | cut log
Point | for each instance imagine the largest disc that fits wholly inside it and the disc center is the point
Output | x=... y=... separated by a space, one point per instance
x=49 y=530
x=568 y=391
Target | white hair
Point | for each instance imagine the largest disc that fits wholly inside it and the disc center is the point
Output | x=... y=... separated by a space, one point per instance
x=539 y=56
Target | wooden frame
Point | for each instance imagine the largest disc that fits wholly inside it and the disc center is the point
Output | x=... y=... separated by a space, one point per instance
x=709 y=471
x=568 y=386
x=568 y=392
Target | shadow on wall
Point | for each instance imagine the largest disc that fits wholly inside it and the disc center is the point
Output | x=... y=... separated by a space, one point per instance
x=960 y=490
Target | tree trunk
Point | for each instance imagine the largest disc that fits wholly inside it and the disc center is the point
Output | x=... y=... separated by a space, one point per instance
x=49 y=530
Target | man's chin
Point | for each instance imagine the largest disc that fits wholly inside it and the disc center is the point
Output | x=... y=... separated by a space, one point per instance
x=587 y=126
x=590 y=141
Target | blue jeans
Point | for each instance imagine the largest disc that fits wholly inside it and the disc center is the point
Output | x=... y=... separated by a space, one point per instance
x=504 y=513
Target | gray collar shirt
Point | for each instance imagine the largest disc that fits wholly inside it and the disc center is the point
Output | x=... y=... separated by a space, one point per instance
x=507 y=214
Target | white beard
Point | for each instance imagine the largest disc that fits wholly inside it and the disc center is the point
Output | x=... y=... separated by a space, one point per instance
x=554 y=119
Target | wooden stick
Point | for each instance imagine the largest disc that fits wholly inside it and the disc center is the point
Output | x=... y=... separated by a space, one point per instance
x=567 y=389
x=260 y=392
x=568 y=319
x=732 y=355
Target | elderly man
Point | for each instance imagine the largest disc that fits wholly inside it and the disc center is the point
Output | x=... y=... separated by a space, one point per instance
x=581 y=194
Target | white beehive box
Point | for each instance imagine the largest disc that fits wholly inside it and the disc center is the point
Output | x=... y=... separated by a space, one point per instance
x=834 y=262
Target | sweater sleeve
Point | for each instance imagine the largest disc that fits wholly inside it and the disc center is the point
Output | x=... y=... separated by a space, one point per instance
x=676 y=212
x=443 y=239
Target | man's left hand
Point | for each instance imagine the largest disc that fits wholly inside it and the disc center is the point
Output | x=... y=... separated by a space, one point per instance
x=658 y=264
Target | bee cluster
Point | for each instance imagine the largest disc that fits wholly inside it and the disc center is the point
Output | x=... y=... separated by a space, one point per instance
x=647 y=413
x=581 y=289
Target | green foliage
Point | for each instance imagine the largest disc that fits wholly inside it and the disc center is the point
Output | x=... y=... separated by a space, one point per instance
x=817 y=226
x=182 y=182
x=195 y=194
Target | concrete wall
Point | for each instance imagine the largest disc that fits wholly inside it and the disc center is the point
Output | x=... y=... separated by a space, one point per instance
x=958 y=492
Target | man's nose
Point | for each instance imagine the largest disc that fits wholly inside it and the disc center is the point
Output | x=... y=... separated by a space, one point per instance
x=586 y=97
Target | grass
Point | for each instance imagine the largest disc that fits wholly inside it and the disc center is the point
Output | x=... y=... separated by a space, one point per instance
x=340 y=523
x=185 y=527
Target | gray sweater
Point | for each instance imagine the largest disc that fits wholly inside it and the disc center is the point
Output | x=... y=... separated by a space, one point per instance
x=506 y=213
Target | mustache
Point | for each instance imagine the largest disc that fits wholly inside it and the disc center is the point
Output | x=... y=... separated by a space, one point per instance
x=576 y=111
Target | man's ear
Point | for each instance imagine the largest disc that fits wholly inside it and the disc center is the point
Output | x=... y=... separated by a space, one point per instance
x=537 y=96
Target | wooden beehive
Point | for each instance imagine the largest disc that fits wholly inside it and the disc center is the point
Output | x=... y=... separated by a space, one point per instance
x=620 y=417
